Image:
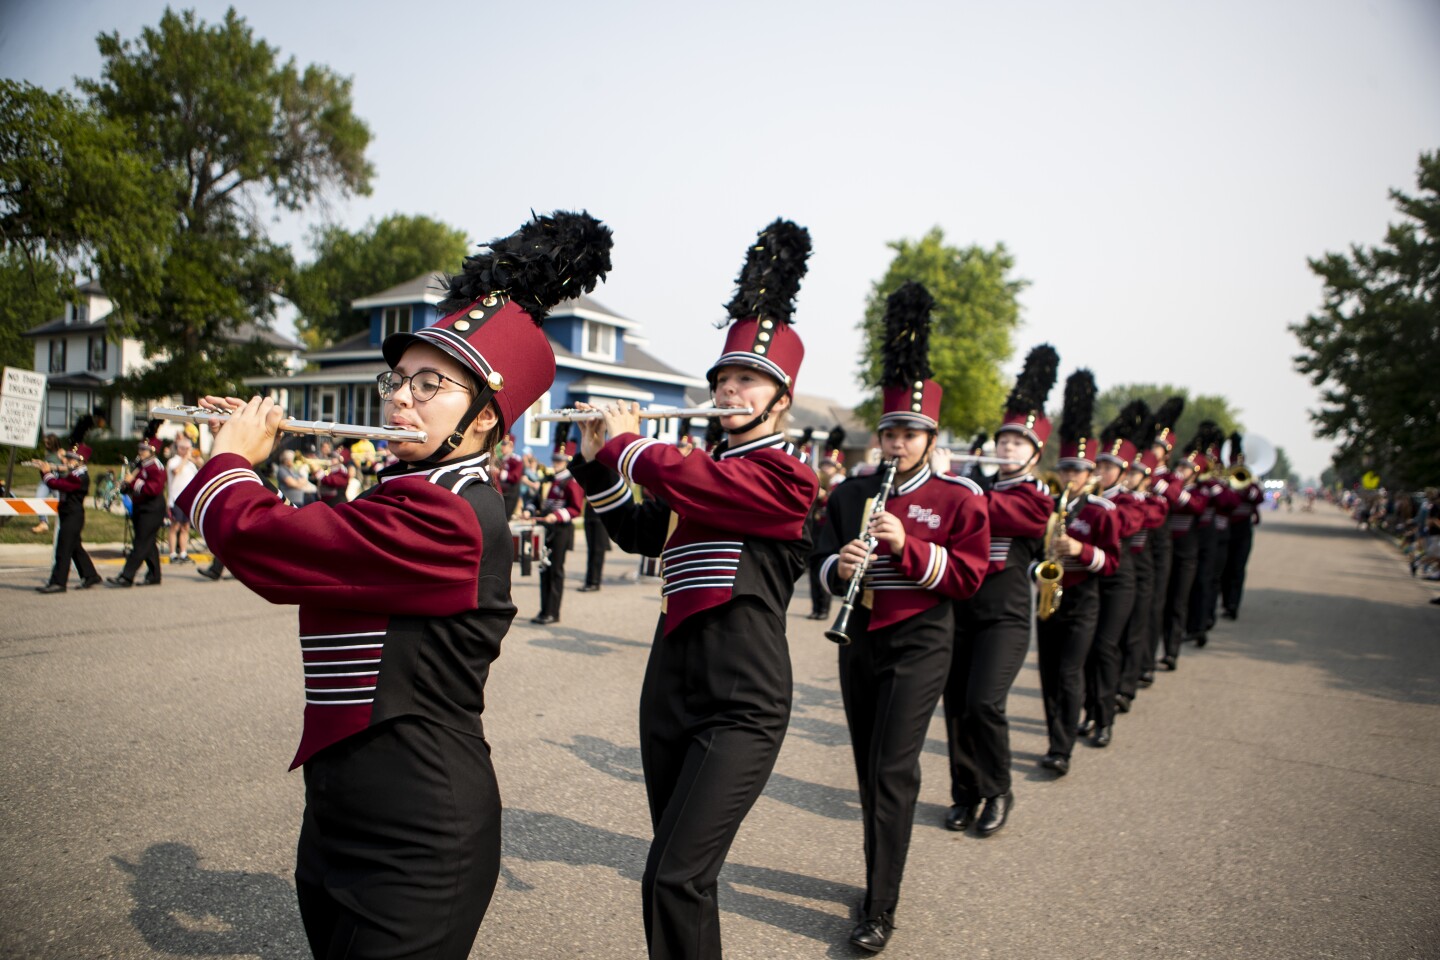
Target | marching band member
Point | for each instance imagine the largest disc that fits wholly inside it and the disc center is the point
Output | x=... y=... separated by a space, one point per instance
x=716 y=696
x=1213 y=536
x=563 y=502
x=72 y=482
x=1088 y=546
x=934 y=544
x=404 y=598
x=992 y=628
x=1117 y=589
x=1184 y=544
x=1242 y=533
x=1137 y=647
x=1164 y=485
x=146 y=486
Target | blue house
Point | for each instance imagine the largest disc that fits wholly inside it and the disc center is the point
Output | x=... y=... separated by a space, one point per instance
x=599 y=356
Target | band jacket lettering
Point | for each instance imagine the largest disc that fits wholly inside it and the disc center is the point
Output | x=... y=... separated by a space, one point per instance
x=150 y=483
x=404 y=592
x=946 y=550
x=738 y=517
x=1096 y=524
x=565 y=500
x=1019 y=510
x=73 y=487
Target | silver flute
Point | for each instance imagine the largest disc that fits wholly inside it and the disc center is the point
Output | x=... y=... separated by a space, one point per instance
x=324 y=428
x=572 y=415
x=976 y=458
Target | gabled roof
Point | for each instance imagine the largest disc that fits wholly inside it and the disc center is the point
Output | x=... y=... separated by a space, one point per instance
x=426 y=288
x=58 y=325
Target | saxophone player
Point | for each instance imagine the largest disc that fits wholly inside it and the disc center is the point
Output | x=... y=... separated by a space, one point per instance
x=932 y=546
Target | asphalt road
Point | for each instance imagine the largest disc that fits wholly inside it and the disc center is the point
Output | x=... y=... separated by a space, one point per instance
x=1275 y=797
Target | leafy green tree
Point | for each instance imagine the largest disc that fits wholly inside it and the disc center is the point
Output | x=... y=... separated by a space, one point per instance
x=976 y=311
x=237 y=130
x=76 y=199
x=30 y=294
x=1374 y=346
x=350 y=264
x=1283 y=469
x=1197 y=408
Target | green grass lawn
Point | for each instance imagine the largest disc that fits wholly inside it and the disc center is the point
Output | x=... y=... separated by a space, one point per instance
x=100 y=527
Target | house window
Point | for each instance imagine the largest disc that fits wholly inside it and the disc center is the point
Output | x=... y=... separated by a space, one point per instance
x=328 y=403
x=82 y=313
x=80 y=405
x=98 y=354
x=599 y=341
x=57 y=356
x=537 y=434
x=57 y=402
x=397 y=320
x=367 y=406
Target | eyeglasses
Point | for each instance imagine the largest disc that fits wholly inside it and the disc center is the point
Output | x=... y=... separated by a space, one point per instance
x=423 y=385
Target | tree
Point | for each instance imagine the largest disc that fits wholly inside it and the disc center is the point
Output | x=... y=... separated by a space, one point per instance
x=1374 y=347
x=976 y=310
x=76 y=199
x=211 y=106
x=1197 y=408
x=1283 y=469
x=30 y=294
x=349 y=265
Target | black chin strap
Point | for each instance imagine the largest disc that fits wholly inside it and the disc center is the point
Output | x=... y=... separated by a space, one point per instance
x=764 y=415
x=457 y=436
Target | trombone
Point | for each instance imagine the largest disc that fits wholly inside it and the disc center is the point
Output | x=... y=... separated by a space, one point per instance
x=323 y=428
x=572 y=415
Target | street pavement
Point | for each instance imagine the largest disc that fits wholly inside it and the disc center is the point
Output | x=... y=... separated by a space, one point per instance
x=1276 y=797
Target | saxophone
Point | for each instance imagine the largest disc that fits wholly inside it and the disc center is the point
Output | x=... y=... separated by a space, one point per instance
x=1048 y=572
x=838 y=633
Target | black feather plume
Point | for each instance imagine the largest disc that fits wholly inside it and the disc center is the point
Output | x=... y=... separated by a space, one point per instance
x=1169 y=413
x=562 y=435
x=1075 y=423
x=905 y=351
x=1033 y=386
x=1237 y=447
x=1126 y=425
x=979 y=442
x=550 y=259
x=152 y=428
x=770 y=278
x=714 y=433
x=806 y=436
x=82 y=426
x=836 y=440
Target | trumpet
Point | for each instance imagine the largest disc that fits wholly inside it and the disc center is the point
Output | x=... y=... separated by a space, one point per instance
x=572 y=415
x=325 y=428
x=838 y=632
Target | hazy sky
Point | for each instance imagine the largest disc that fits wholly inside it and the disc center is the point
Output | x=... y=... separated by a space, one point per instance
x=1160 y=171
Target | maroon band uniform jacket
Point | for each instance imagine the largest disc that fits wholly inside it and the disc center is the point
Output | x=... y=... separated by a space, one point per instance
x=1153 y=510
x=946 y=550
x=1186 y=503
x=565 y=499
x=1096 y=524
x=1247 y=511
x=727 y=525
x=1019 y=510
x=404 y=592
x=1130 y=511
x=149 y=484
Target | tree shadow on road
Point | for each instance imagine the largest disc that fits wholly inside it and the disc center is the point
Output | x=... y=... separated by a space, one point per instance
x=535 y=837
x=1369 y=647
x=570 y=640
x=182 y=908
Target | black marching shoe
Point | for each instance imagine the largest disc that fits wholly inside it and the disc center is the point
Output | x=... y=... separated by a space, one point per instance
x=996 y=812
x=873 y=933
x=544 y=618
x=1201 y=639
x=1229 y=614
x=961 y=816
x=1057 y=762
x=51 y=588
x=89 y=582
x=150 y=582
x=1102 y=737
x=1147 y=678
x=121 y=581
x=1085 y=728
x=1122 y=702
x=1168 y=663
x=588 y=589
x=209 y=573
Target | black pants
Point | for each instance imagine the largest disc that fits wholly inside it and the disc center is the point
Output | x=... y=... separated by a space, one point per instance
x=1232 y=586
x=890 y=680
x=1205 y=555
x=1137 y=641
x=992 y=636
x=1183 y=562
x=819 y=596
x=148 y=517
x=511 y=496
x=559 y=538
x=713 y=711
x=597 y=543
x=68 y=548
x=1217 y=574
x=400 y=845
x=1102 y=666
x=1164 y=563
x=1064 y=643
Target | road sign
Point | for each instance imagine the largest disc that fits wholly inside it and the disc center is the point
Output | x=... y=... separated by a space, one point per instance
x=22 y=398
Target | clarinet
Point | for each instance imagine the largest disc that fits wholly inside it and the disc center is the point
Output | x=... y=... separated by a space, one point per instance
x=852 y=592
